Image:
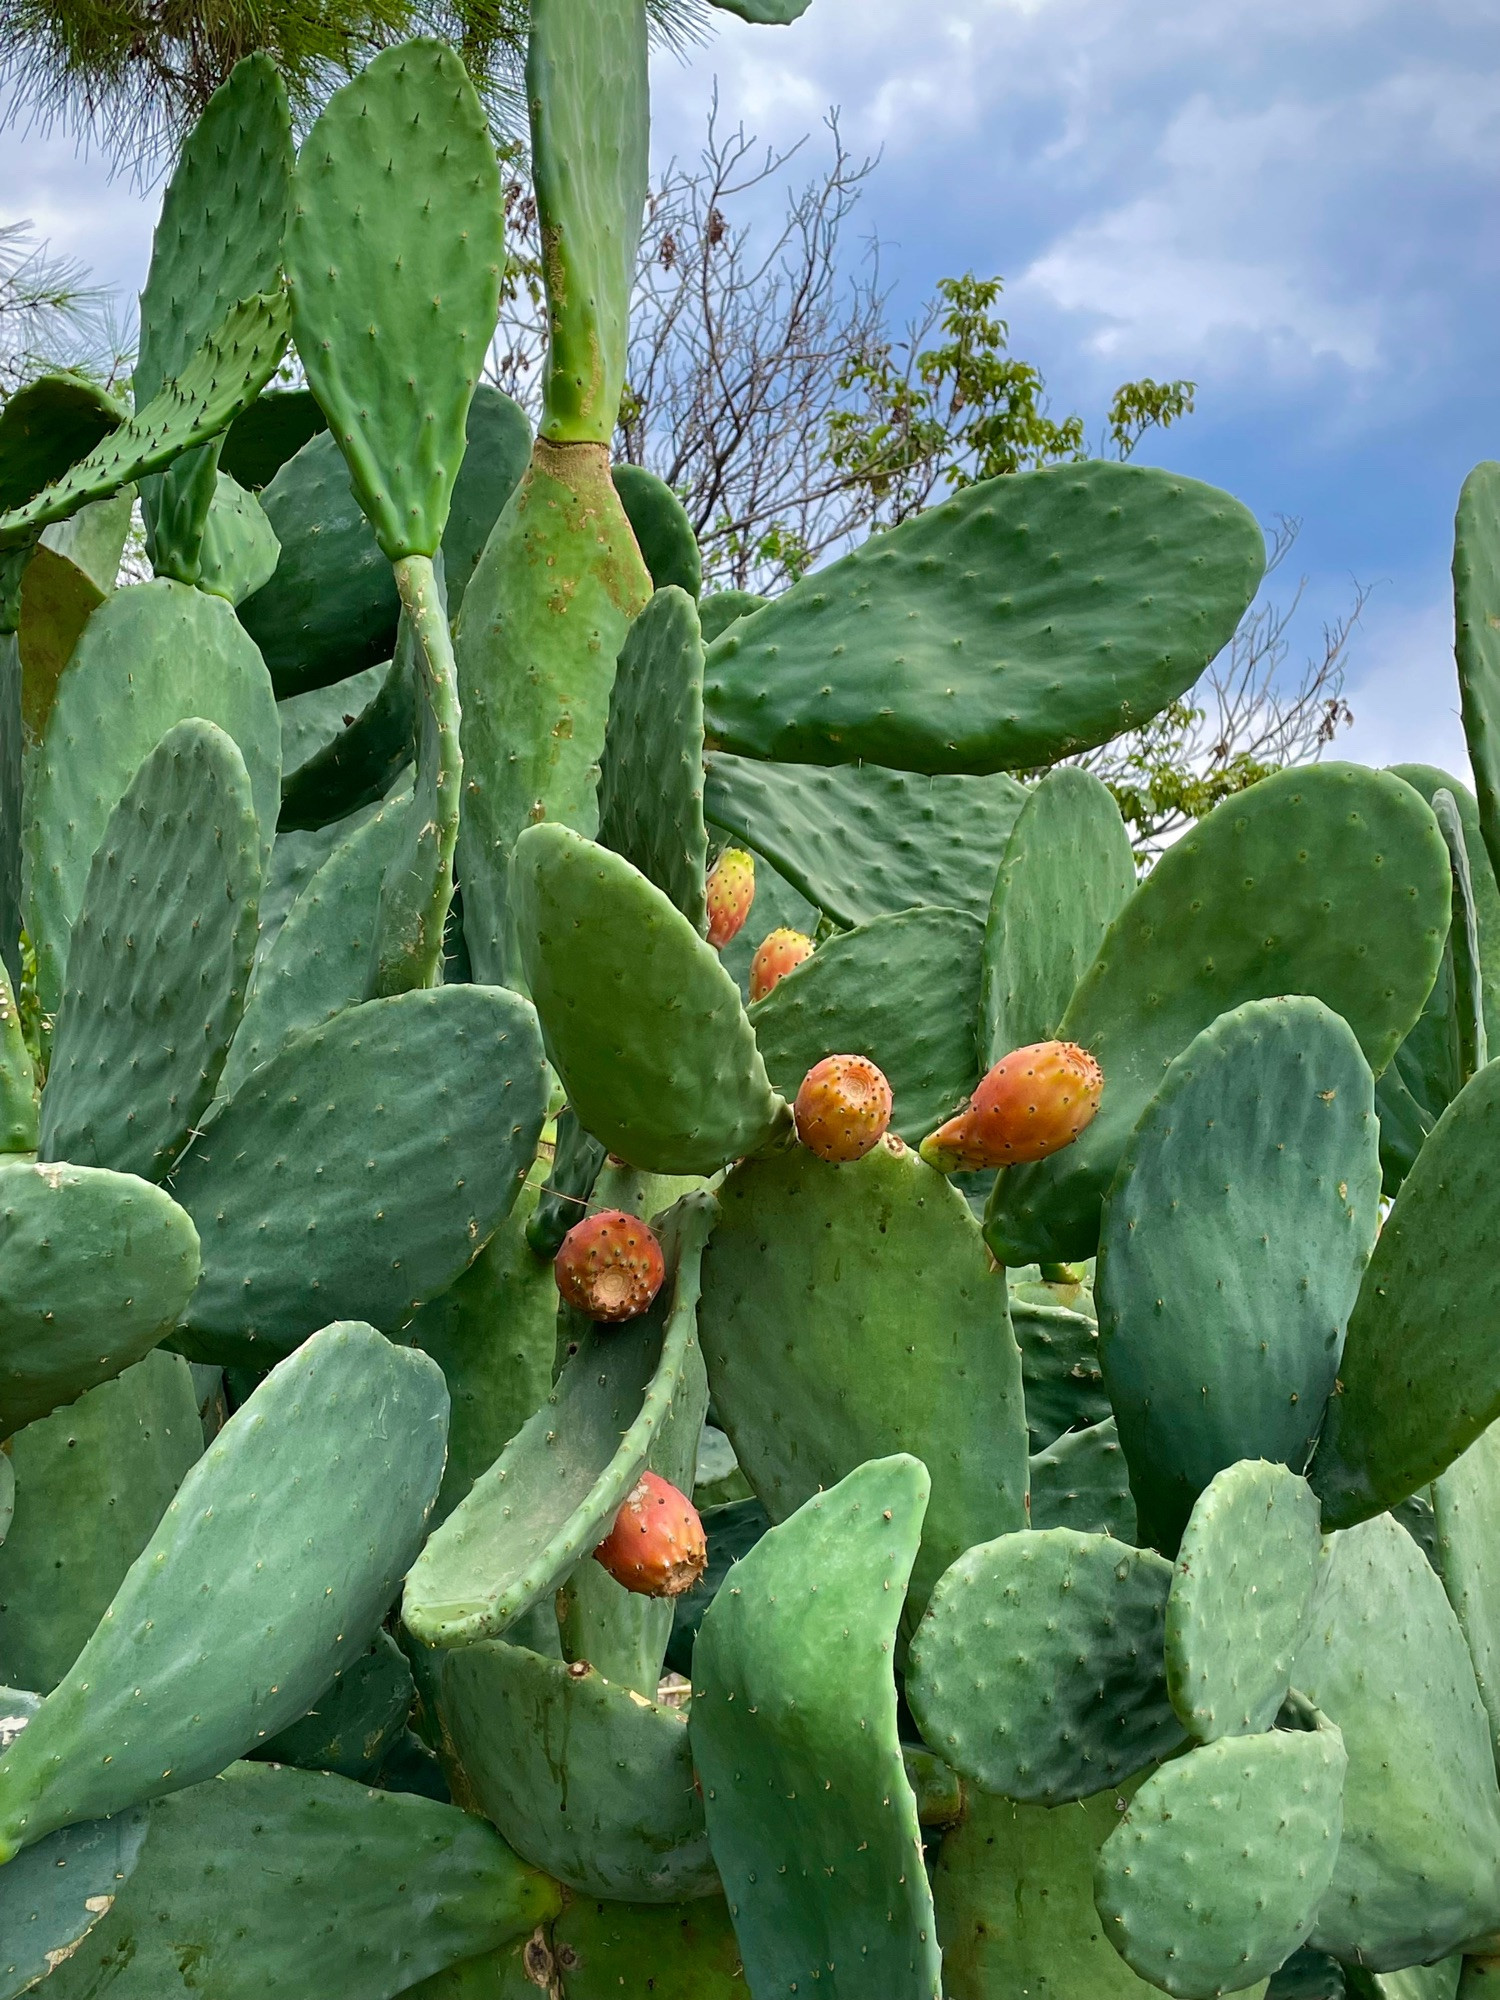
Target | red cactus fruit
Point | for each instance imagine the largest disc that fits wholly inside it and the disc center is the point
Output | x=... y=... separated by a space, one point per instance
x=656 y=1546
x=731 y=891
x=610 y=1266
x=843 y=1108
x=1033 y=1102
x=777 y=954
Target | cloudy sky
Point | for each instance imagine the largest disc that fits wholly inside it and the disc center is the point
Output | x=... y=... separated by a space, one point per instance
x=1291 y=201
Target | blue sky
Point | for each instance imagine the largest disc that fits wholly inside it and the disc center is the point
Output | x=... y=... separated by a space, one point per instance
x=1292 y=201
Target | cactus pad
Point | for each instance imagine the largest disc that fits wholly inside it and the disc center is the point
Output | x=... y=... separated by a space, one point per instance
x=1037 y=1670
x=793 y=1683
x=1081 y=1481
x=58 y=1890
x=661 y=528
x=1466 y=1507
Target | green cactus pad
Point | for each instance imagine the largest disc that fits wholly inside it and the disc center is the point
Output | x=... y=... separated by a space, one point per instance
x=1014 y=1889
x=159 y=960
x=331 y=767
x=58 y=1890
x=1080 y=1481
x=719 y=610
x=1476 y=606
x=1466 y=1506
x=859 y=841
x=93 y=540
x=850 y=1309
x=662 y=530
x=47 y=425
x=1429 y=781
x=1060 y=1371
x=149 y=657
x=1037 y=1671
x=1212 y=1879
x=766 y=13
x=274 y=428
x=623 y=1951
x=497 y=451
x=1420 y=1375
x=536 y=662
x=1220 y=1336
x=1443 y=1981
x=250 y=1592
x=18 y=1108
x=267 y=1881
x=322 y=959
x=731 y=1530
x=239 y=549
x=1241 y=1598
x=1418 y=1873
x=641 y=1022
x=362 y=1168
x=591 y=1781
x=393 y=256
x=549 y=1499
x=97 y=1478
x=492 y=1333
x=1067 y=872
x=354 y=1721
x=793 y=1729
x=223 y=377
x=330 y=607
x=651 y=773
x=1331 y=881
x=95 y=1269
x=902 y=990
x=218 y=240
x=587 y=92
x=977 y=647
x=1309 y=1975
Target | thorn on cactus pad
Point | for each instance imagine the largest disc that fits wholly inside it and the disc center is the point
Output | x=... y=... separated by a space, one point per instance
x=842 y=1108
x=609 y=1266
x=656 y=1547
x=1032 y=1103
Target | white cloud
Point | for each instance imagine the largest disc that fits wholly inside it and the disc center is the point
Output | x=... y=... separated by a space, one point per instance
x=1403 y=688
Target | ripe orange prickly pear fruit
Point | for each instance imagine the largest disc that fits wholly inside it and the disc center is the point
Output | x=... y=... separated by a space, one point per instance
x=657 y=1546
x=731 y=891
x=1033 y=1102
x=843 y=1108
x=777 y=954
x=609 y=1266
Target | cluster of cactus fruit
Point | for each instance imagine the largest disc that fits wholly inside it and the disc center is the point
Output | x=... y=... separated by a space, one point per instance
x=659 y=1334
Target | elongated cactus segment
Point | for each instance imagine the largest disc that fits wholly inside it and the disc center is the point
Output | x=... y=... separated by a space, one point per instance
x=901 y=990
x=451 y=1081
x=218 y=241
x=590 y=1781
x=651 y=774
x=1476 y=601
x=159 y=960
x=1263 y=1132
x=274 y=1593
x=71 y=1237
x=1084 y=1704
x=1284 y=889
x=549 y=1498
x=1066 y=873
x=792 y=1679
x=862 y=842
x=796 y=1287
x=1241 y=1599
x=148 y=658
x=1429 y=781
x=1418 y=1872
x=320 y=1854
x=18 y=1103
x=1466 y=1509
x=1412 y=1401
x=1214 y=1876
x=641 y=1022
x=977 y=650
x=223 y=376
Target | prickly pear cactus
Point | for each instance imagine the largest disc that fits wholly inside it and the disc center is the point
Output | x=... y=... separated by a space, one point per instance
x=547 y=1443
